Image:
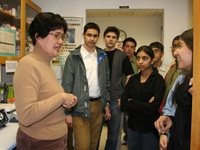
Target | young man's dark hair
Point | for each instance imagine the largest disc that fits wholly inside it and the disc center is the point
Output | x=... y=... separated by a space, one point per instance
x=157 y=45
x=130 y=39
x=91 y=25
x=111 y=29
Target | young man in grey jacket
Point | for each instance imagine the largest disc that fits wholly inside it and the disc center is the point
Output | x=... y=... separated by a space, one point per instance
x=120 y=66
x=86 y=75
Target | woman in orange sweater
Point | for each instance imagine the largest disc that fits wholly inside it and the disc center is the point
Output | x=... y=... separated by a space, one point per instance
x=39 y=98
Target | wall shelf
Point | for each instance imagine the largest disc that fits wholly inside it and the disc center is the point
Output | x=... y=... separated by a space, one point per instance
x=27 y=9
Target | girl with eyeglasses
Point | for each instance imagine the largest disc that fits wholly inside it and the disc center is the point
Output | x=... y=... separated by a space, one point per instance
x=179 y=117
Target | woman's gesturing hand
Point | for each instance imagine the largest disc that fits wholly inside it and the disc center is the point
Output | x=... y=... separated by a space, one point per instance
x=70 y=100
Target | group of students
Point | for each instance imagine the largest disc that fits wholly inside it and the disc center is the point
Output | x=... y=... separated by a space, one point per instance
x=93 y=91
x=174 y=126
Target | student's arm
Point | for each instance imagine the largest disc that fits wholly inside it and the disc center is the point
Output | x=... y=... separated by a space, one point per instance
x=67 y=83
x=127 y=78
x=157 y=87
x=126 y=97
x=127 y=68
x=169 y=108
x=128 y=71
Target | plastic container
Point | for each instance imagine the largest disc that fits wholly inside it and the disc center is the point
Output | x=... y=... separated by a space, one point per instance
x=13 y=11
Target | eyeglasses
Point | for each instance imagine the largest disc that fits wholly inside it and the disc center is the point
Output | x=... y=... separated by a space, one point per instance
x=92 y=35
x=58 y=35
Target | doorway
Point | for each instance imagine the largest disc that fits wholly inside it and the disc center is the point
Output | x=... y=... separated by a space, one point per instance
x=145 y=25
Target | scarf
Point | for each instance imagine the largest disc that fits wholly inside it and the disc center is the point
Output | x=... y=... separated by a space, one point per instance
x=180 y=133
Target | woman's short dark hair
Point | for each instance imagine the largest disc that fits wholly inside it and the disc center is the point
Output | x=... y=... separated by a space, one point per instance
x=45 y=22
x=91 y=25
x=148 y=50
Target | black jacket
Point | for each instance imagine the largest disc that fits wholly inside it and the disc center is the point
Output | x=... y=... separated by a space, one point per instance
x=181 y=129
x=142 y=113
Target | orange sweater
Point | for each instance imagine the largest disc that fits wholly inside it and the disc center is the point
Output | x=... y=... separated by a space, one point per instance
x=38 y=97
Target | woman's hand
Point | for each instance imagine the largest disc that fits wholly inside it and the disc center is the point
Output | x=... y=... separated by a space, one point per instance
x=69 y=100
x=163 y=124
x=191 y=89
x=163 y=142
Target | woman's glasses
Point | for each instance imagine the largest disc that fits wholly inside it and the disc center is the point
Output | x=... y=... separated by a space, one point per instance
x=58 y=35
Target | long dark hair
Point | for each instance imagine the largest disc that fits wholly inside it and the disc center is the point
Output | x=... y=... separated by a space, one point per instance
x=187 y=37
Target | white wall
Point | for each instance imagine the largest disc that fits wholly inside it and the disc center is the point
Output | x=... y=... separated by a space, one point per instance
x=177 y=13
x=144 y=29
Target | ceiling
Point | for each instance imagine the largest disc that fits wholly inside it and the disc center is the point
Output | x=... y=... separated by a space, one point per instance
x=124 y=12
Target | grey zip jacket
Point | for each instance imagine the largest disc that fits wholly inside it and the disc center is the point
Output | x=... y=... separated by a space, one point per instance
x=74 y=81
